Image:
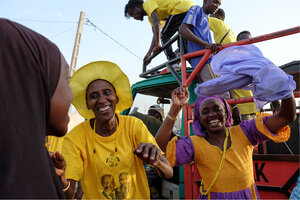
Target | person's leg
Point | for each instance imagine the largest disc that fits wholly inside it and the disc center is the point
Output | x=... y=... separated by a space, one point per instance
x=170 y=28
x=206 y=74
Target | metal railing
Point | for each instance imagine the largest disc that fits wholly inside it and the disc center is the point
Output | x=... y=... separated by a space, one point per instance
x=168 y=64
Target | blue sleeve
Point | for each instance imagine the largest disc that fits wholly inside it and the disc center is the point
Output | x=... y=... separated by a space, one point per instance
x=192 y=15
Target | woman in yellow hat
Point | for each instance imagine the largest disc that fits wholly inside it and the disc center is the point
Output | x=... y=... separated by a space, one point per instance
x=108 y=145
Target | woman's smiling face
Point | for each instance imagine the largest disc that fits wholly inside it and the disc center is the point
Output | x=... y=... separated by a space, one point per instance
x=102 y=99
x=212 y=115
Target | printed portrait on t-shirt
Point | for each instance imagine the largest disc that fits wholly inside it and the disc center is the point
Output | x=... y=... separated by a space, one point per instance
x=115 y=180
x=108 y=184
x=112 y=192
x=123 y=190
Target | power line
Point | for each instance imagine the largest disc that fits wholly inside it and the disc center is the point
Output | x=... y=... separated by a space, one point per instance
x=42 y=21
x=63 y=32
x=89 y=23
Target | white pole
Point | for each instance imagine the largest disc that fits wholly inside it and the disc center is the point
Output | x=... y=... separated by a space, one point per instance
x=77 y=43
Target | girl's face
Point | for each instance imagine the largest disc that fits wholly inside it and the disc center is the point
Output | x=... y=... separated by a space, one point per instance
x=60 y=103
x=212 y=115
x=102 y=99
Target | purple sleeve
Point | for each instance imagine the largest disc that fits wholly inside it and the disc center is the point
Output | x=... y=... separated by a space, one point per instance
x=184 y=151
x=250 y=130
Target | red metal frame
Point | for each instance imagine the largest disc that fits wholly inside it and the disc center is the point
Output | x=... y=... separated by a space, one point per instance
x=250 y=99
x=207 y=52
x=190 y=173
x=186 y=80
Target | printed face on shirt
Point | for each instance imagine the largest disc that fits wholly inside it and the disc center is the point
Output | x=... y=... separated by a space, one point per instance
x=102 y=99
x=108 y=182
x=211 y=6
x=212 y=115
x=124 y=179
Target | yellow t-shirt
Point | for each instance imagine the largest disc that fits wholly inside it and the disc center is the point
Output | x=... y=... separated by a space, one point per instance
x=164 y=8
x=245 y=108
x=220 y=28
x=54 y=143
x=92 y=158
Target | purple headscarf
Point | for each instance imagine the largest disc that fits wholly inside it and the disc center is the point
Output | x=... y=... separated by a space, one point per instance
x=198 y=129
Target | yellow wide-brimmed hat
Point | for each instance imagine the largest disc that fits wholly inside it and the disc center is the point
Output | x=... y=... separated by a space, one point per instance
x=104 y=70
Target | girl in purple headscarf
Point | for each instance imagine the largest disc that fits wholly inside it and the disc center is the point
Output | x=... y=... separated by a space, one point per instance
x=222 y=154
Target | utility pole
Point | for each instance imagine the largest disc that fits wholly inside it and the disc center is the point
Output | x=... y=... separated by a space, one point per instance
x=77 y=43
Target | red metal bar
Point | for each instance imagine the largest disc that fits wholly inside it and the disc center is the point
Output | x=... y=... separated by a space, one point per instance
x=250 y=99
x=187 y=118
x=261 y=38
x=240 y=100
x=196 y=53
x=185 y=121
x=197 y=69
x=207 y=52
x=183 y=70
x=188 y=127
x=188 y=181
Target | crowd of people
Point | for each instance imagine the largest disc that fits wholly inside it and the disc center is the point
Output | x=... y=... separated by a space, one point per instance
x=106 y=155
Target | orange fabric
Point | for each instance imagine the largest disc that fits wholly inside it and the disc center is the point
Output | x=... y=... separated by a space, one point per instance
x=253 y=192
x=281 y=136
x=171 y=151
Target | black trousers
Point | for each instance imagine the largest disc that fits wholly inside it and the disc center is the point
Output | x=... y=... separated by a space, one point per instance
x=171 y=27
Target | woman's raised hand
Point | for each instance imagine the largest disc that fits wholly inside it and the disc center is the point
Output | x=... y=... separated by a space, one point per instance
x=180 y=96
